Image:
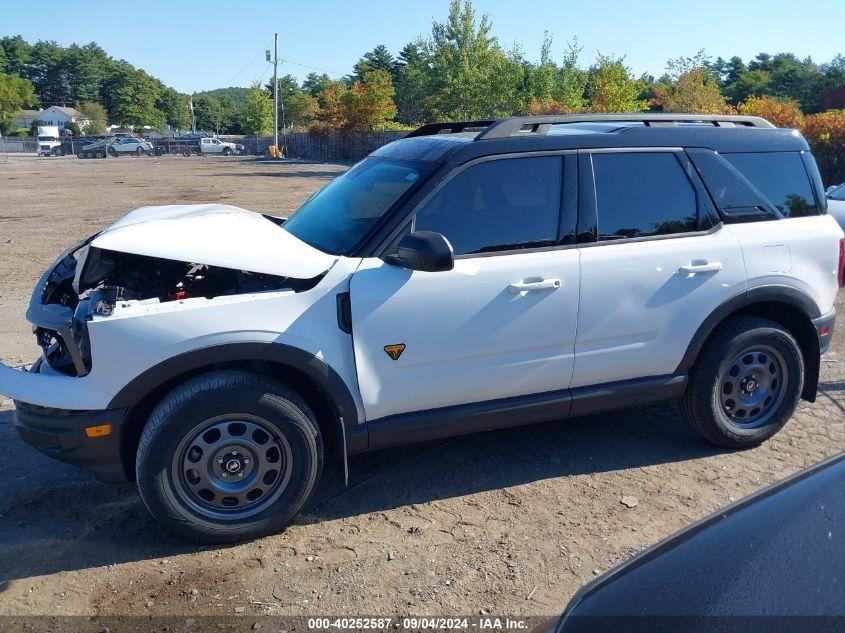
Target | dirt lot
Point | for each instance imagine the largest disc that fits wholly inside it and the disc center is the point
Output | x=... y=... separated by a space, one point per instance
x=510 y=522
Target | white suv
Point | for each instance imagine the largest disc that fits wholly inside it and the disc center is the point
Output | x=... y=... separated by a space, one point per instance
x=454 y=281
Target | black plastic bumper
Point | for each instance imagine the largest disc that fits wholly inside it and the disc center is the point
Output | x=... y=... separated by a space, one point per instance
x=824 y=329
x=60 y=434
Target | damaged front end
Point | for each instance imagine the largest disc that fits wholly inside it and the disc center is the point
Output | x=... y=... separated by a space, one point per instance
x=87 y=283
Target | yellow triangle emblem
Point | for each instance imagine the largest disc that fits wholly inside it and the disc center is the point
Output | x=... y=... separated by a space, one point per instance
x=395 y=351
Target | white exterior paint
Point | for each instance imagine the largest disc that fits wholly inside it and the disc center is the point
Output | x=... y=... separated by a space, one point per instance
x=639 y=310
x=216 y=235
x=468 y=337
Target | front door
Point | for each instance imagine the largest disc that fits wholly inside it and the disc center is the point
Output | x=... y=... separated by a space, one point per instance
x=500 y=324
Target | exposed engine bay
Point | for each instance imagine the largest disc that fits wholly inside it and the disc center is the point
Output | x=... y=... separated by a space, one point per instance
x=112 y=277
x=88 y=282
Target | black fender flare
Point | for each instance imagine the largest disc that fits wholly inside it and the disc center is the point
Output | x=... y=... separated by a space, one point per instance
x=788 y=295
x=298 y=359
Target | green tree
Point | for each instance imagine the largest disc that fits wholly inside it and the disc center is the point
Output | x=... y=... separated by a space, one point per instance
x=748 y=83
x=470 y=76
x=570 y=81
x=315 y=85
x=412 y=83
x=72 y=128
x=82 y=69
x=175 y=108
x=47 y=74
x=17 y=54
x=692 y=86
x=377 y=59
x=96 y=117
x=208 y=113
x=257 y=116
x=611 y=88
x=134 y=98
x=15 y=93
x=33 y=127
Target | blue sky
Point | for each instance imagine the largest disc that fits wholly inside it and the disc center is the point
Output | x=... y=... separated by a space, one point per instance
x=214 y=43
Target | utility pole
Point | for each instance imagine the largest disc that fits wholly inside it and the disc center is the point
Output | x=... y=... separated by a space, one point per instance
x=276 y=92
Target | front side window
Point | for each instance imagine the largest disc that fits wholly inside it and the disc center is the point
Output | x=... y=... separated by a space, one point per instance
x=498 y=205
x=338 y=216
x=781 y=177
x=642 y=194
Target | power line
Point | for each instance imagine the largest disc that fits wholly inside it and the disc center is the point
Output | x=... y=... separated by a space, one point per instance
x=261 y=52
x=330 y=72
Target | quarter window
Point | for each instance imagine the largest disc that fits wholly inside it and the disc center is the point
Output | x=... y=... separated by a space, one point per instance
x=498 y=205
x=641 y=194
x=781 y=177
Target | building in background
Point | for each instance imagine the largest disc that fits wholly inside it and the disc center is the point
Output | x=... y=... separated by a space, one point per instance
x=59 y=116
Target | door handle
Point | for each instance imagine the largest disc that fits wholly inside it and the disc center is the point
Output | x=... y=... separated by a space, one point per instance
x=705 y=267
x=520 y=287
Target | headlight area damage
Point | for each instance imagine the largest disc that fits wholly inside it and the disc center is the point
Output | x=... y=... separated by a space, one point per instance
x=88 y=282
x=161 y=254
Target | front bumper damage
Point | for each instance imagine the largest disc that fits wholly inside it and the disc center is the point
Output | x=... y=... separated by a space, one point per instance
x=86 y=438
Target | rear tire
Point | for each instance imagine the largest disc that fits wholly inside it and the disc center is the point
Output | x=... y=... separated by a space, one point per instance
x=745 y=384
x=186 y=153
x=229 y=456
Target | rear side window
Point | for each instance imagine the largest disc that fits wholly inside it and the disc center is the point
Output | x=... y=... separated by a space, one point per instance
x=781 y=177
x=498 y=205
x=641 y=194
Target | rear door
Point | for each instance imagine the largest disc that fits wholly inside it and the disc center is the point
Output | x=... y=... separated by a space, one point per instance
x=502 y=322
x=658 y=264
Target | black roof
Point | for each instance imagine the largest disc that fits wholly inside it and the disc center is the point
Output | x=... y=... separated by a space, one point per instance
x=462 y=141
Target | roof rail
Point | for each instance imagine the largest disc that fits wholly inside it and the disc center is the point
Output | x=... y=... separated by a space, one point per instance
x=540 y=125
x=449 y=128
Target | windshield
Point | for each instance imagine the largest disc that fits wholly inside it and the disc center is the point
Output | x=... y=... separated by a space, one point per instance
x=340 y=214
x=47 y=138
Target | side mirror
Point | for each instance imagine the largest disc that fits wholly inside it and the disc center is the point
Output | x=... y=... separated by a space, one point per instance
x=424 y=250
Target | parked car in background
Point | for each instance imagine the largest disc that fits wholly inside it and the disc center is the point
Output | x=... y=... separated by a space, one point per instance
x=836 y=203
x=48 y=140
x=130 y=145
x=760 y=564
x=216 y=146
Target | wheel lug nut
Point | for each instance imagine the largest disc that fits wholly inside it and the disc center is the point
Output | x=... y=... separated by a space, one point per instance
x=246 y=460
x=219 y=460
x=240 y=474
x=224 y=474
x=234 y=451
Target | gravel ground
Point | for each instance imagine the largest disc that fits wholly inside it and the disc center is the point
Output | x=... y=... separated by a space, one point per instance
x=508 y=522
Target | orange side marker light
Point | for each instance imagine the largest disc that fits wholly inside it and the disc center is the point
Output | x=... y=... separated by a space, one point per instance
x=98 y=431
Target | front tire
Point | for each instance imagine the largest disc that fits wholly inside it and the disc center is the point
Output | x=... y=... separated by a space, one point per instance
x=746 y=383
x=229 y=456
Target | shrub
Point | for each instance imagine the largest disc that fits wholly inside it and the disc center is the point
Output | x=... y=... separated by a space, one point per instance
x=780 y=112
x=825 y=133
